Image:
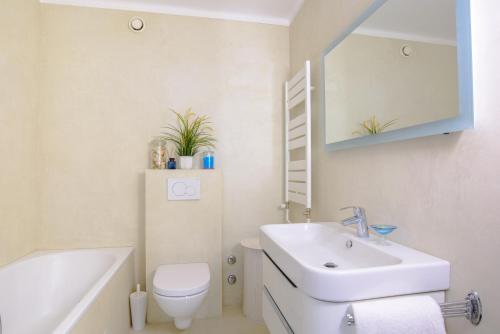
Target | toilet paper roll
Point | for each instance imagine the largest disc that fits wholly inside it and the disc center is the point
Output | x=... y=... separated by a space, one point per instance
x=408 y=315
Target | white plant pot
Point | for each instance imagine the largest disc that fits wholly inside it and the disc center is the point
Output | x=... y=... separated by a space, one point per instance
x=186 y=162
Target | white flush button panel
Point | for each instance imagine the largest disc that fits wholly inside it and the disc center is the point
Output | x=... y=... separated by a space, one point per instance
x=184 y=189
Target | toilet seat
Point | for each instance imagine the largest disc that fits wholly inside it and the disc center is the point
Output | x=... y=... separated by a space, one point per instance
x=180 y=280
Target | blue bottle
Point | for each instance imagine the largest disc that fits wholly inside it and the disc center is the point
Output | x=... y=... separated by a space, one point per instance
x=171 y=163
x=208 y=160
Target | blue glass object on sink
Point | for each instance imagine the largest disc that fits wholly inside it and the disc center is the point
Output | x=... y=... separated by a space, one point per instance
x=383 y=229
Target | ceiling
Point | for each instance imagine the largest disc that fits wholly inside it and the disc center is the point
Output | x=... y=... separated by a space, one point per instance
x=424 y=20
x=279 y=12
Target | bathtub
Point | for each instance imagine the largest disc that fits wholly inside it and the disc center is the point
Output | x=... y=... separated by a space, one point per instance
x=77 y=291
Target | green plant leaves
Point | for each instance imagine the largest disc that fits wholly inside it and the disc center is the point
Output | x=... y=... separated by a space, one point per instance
x=190 y=134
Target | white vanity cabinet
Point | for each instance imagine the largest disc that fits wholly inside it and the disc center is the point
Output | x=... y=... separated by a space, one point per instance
x=313 y=272
x=288 y=310
x=295 y=312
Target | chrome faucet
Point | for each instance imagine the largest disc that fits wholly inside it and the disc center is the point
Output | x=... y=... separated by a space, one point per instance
x=359 y=219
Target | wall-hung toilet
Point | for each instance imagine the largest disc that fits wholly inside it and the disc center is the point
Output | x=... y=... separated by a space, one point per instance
x=179 y=290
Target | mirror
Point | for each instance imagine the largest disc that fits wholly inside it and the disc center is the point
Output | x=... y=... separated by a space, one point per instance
x=401 y=71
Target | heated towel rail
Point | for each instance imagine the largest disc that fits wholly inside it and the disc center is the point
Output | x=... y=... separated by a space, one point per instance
x=298 y=140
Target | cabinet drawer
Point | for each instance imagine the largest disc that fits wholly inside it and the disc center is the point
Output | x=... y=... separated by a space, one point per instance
x=284 y=293
x=274 y=319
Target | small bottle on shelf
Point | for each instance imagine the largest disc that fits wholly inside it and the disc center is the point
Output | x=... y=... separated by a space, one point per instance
x=171 y=163
x=158 y=153
x=208 y=160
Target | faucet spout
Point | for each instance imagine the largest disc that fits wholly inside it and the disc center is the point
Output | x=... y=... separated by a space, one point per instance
x=359 y=219
x=350 y=221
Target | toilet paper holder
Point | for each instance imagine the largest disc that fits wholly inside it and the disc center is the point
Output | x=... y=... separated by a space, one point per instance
x=470 y=308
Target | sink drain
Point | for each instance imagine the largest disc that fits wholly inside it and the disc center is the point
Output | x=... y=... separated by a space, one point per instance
x=330 y=265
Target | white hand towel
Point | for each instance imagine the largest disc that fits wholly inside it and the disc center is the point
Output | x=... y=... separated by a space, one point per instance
x=399 y=315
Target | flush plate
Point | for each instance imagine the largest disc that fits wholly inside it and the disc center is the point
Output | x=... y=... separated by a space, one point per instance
x=184 y=189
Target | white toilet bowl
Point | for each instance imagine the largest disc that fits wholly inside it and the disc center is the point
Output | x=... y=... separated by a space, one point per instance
x=179 y=290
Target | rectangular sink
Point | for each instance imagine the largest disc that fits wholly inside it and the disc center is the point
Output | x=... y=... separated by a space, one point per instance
x=328 y=262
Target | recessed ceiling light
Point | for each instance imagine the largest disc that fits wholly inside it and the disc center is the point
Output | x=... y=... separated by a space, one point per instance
x=136 y=24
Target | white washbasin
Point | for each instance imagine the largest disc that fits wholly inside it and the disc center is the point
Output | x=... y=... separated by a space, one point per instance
x=366 y=270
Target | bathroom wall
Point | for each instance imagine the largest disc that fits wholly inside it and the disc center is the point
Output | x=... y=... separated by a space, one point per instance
x=106 y=92
x=19 y=22
x=441 y=191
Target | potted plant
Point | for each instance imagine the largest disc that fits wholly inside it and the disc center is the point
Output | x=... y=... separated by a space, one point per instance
x=191 y=133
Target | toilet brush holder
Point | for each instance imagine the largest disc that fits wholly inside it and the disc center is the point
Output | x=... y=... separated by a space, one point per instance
x=138 y=303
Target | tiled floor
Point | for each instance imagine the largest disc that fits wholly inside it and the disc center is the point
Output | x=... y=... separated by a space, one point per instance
x=231 y=322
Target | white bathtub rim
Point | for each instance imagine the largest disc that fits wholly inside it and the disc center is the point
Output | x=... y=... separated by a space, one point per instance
x=85 y=303
x=72 y=318
x=125 y=249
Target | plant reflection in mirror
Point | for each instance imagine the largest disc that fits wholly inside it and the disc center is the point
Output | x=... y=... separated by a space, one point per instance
x=372 y=126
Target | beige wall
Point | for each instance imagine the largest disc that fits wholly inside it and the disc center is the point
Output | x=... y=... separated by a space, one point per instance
x=106 y=91
x=18 y=111
x=442 y=191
